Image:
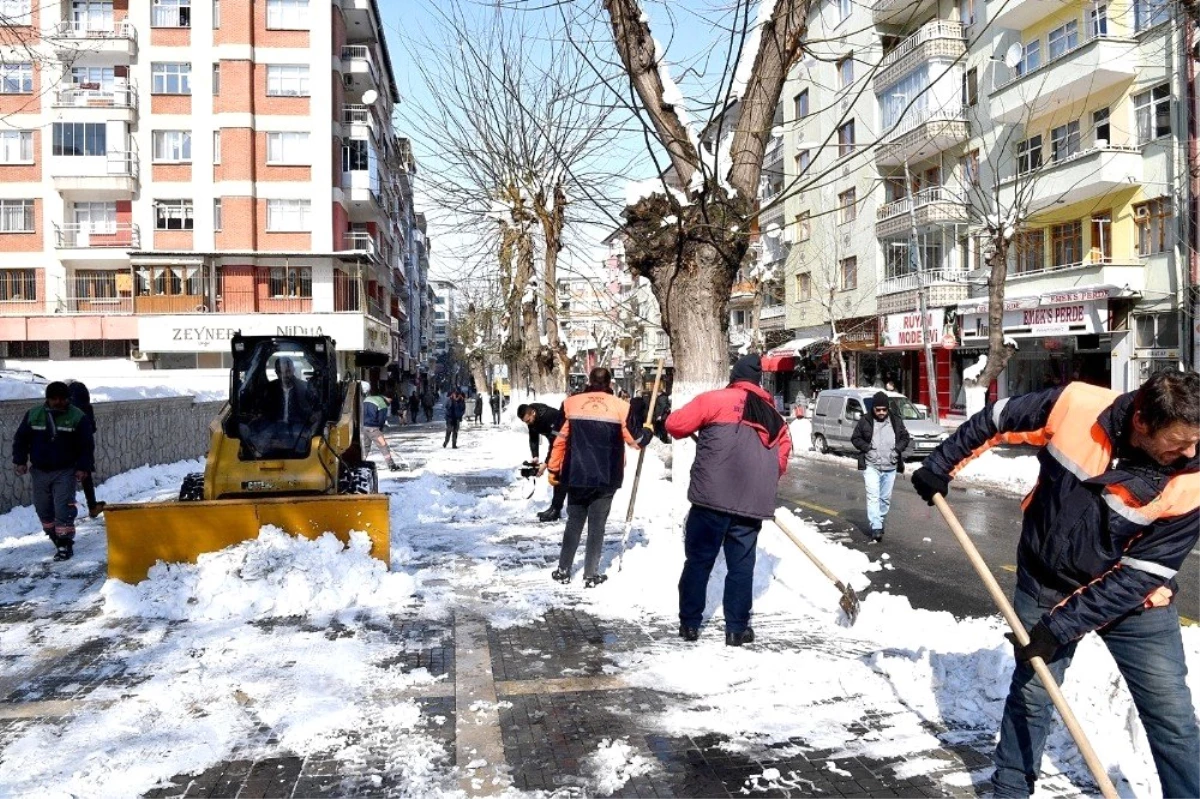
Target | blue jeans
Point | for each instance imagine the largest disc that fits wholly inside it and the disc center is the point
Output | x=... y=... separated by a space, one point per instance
x=879 y=494
x=706 y=533
x=1148 y=650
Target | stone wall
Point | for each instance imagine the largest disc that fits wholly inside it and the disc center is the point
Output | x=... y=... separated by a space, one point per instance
x=129 y=434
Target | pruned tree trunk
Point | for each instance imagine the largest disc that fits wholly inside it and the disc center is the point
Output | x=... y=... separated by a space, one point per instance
x=998 y=352
x=553 y=364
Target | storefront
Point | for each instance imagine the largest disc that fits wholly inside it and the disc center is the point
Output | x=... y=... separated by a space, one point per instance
x=901 y=359
x=799 y=367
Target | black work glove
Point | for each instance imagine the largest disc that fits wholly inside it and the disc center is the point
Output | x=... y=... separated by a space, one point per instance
x=1042 y=644
x=928 y=483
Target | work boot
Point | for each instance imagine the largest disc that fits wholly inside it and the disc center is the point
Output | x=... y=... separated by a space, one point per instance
x=560 y=576
x=549 y=515
x=689 y=633
x=97 y=509
x=594 y=580
x=393 y=466
x=746 y=636
x=876 y=535
x=64 y=550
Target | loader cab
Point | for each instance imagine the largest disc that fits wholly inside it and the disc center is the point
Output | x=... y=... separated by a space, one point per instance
x=283 y=391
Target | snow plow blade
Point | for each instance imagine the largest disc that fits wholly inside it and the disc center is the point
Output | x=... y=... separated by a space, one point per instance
x=140 y=535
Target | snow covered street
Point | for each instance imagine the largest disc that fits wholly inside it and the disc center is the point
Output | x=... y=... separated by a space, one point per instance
x=287 y=667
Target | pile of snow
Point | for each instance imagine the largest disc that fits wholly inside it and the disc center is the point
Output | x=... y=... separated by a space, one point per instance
x=613 y=764
x=273 y=575
x=120 y=390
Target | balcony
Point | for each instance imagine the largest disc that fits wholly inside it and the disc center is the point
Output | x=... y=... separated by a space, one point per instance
x=84 y=241
x=112 y=176
x=1085 y=175
x=774 y=153
x=1091 y=67
x=90 y=102
x=359 y=241
x=931 y=131
x=900 y=12
x=361 y=193
x=1129 y=274
x=938 y=39
x=359 y=64
x=943 y=287
x=359 y=121
x=1018 y=15
x=935 y=205
x=94 y=37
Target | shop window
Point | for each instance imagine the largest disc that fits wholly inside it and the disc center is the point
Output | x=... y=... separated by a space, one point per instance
x=101 y=348
x=28 y=350
x=1154 y=220
x=1066 y=244
x=1157 y=331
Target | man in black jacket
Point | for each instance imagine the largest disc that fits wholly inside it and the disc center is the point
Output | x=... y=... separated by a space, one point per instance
x=544 y=421
x=1111 y=521
x=880 y=438
x=81 y=398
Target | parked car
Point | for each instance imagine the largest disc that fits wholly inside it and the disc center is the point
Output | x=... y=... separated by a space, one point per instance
x=839 y=409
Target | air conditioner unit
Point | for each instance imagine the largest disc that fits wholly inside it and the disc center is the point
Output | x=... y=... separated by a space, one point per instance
x=140 y=356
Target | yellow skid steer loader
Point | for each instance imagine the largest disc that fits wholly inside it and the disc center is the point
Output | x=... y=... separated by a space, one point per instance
x=285 y=450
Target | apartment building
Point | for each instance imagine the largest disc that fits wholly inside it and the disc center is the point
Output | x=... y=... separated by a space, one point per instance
x=918 y=126
x=174 y=172
x=445 y=296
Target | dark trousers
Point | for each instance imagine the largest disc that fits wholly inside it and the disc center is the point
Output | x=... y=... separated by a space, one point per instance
x=89 y=490
x=592 y=507
x=479 y=417
x=560 y=496
x=451 y=432
x=495 y=416
x=706 y=533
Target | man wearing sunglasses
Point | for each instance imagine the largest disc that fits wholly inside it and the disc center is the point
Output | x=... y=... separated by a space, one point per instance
x=880 y=438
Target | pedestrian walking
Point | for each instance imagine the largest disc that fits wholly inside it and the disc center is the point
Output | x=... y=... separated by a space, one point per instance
x=588 y=457
x=494 y=401
x=544 y=421
x=662 y=409
x=398 y=404
x=427 y=403
x=639 y=407
x=742 y=450
x=881 y=439
x=455 y=408
x=81 y=398
x=1109 y=523
x=478 y=408
x=374 y=419
x=414 y=406
x=54 y=443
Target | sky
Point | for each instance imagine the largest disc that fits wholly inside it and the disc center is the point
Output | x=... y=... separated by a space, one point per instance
x=695 y=45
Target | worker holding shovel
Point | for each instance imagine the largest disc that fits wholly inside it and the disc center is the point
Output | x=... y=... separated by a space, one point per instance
x=1111 y=521
x=742 y=450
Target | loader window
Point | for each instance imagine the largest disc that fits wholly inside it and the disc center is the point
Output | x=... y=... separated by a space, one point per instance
x=280 y=389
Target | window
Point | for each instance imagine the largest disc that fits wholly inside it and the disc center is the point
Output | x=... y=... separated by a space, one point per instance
x=803 y=226
x=216 y=78
x=844 y=8
x=288 y=215
x=17 y=284
x=846 y=139
x=848 y=273
x=803 y=287
x=970 y=168
x=1097 y=20
x=170 y=78
x=845 y=68
x=1148 y=13
x=102 y=348
x=171 y=14
x=1030 y=250
x=970 y=87
x=1152 y=110
x=173 y=215
x=800 y=104
x=217 y=214
x=1064 y=141
x=216 y=14
x=79 y=138
x=1159 y=331
x=288 y=148
x=16 y=216
x=93 y=77
x=287 y=80
x=25 y=349
x=803 y=160
x=908 y=96
x=847 y=208
x=95 y=217
x=16 y=78
x=216 y=147
x=1029 y=154
x=287 y=14
x=92 y=16
x=294 y=281
x=16 y=12
x=1063 y=39
x=1066 y=244
x=16 y=146
x=1031 y=57
x=173 y=146
x=356 y=155
x=1154 y=221
x=95 y=285
x=1100 y=128
x=966 y=12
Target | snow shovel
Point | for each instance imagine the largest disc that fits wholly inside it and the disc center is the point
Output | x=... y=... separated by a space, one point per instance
x=1039 y=666
x=637 y=475
x=849 y=601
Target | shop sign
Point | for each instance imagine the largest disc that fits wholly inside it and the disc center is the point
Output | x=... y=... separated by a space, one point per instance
x=1164 y=354
x=213 y=332
x=1069 y=319
x=902 y=331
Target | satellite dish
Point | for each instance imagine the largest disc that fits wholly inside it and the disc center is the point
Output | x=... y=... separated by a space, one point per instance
x=1013 y=55
x=370 y=96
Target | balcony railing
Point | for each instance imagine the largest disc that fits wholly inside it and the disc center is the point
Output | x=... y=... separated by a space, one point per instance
x=92 y=95
x=355 y=113
x=912 y=281
x=926 y=196
x=1090 y=262
x=87 y=235
x=21 y=307
x=362 y=53
x=938 y=29
x=359 y=240
x=770 y=312
x=1055 y=163
x=774 y=152
x=94 y=29
x=1084 y=41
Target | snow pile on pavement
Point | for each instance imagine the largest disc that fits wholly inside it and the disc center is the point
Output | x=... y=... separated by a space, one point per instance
x=613 y=764
x=117 y=389
x=273 y=575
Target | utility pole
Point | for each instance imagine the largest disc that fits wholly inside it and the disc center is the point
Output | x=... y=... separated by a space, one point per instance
x=922 y=303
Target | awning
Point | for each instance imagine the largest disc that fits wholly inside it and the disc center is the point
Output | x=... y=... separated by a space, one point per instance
x=784 y=358
x=779 y=363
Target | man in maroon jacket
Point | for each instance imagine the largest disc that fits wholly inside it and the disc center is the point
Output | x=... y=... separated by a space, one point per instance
x=741 y=452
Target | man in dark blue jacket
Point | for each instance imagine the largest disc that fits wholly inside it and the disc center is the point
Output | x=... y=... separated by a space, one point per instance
x=544 y=420
x=57 y=440
x=1109 y=524
x=456 y=409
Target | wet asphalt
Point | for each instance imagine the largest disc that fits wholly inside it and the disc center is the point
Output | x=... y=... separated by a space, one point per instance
x=927 y=564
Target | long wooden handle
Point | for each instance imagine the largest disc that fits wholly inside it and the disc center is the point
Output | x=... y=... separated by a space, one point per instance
x=648 y=425
x=1039 y=666
x=782 y=524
